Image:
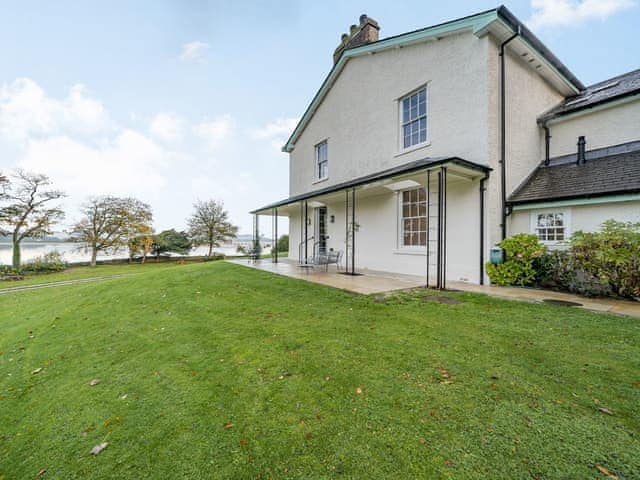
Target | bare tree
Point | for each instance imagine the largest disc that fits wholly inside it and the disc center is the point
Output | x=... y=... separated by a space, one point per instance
x=26 y=213
x=209 y=224
x=109 y=223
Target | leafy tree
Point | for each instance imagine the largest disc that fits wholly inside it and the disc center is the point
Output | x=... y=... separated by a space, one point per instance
x=171 y=241
x=109 y=223
x=209 y=225
x=141 y=244
x=26 y=212
x=283 y=243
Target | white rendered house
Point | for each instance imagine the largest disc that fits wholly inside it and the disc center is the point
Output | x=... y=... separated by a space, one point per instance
x=420 y=152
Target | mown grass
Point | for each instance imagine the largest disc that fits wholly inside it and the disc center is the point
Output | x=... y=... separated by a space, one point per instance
x=230 y=372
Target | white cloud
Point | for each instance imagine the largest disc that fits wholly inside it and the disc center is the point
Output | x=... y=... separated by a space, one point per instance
x=167 y=127
x=277 y=131
x=26 y=110
x=560 y=13
x=194 y=51
x=215 y=132
x=129 y=164
x=166 y=159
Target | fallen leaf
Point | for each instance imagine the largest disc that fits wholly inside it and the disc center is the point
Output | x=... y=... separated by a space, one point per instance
x=327 y=378
x=227 y=426
x=36 y=371
x=605 y=472
x=98 y=448
x=359 y=391
x=42 y=472
x=605 y=410
x=308 y=436
x=124 y=397
x=489 y=430
x=423 y=441
x=94 y=382
x=243 y=443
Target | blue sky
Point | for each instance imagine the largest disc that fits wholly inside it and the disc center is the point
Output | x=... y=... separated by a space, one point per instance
x=172 y=101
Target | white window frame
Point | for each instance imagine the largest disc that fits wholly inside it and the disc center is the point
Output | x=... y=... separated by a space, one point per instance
x=400 y=225
x=316 y=165
x=566 y=217
x=401 y=123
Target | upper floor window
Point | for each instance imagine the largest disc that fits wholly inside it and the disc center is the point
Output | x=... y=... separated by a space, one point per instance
x=414 y=218
x=414 y=118
x=322 y=161
x=550 y=227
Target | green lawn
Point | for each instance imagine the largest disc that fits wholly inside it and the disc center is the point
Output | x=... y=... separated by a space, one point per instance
x=219 y=371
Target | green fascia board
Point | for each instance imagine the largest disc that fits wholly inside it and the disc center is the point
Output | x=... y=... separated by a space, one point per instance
x=578 y=202
x=476 y=24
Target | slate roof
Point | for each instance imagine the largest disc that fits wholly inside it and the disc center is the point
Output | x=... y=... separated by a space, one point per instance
x=612 y=89
x=608 y=175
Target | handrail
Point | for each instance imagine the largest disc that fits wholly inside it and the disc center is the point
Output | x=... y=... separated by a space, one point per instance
x=300 y=248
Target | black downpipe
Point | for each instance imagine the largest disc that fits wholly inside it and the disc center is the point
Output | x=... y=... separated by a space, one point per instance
x=503 y=134
x=276 y=228
x=428 y=221
x=547 y=144
x=353 y=232
x=439 y=238
x=444 y=228
x=306 y=232
x=346 y=230
x=483 y=189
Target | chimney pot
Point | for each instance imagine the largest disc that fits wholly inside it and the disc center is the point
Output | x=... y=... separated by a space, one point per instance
x=365 y=32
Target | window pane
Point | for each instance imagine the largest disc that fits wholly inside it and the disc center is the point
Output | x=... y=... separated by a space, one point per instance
x=422 y=224
x=415 y=238
x=422 y=196
x=406 y=240
x=406 y=197
x=407 y=225
x=414 y=195
x=423 y=239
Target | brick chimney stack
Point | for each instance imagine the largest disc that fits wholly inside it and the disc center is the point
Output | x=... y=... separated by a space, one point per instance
x=362 y=34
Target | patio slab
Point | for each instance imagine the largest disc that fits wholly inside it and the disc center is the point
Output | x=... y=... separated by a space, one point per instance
x=370 y=282
x=375 y=282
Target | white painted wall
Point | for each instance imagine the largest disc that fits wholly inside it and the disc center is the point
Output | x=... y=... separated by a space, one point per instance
x=587 y=218
x=602 y=128
x=359 y=117
x=377 y=240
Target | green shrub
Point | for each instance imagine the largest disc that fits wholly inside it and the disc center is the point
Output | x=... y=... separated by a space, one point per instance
x=47 y=263
x=521 y=251
x=612 y=256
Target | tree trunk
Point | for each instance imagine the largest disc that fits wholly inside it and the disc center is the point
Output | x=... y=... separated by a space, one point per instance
x=16 y=255
x=210 y=249
x=94 y=256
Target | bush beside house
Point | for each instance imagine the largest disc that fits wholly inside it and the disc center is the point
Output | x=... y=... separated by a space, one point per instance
x=593 y=264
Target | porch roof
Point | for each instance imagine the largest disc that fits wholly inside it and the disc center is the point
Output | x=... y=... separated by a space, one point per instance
x=411 y=167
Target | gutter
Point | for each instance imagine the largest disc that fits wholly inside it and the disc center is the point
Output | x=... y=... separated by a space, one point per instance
x=503 y=134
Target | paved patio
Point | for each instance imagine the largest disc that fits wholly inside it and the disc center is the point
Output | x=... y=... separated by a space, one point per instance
x=374 y=282
x=369 y=283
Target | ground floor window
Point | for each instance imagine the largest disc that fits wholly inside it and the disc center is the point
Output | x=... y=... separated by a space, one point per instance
x=550 y=226
x=414 y=218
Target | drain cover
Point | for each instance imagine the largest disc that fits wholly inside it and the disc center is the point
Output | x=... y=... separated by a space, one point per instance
x=561 y=303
